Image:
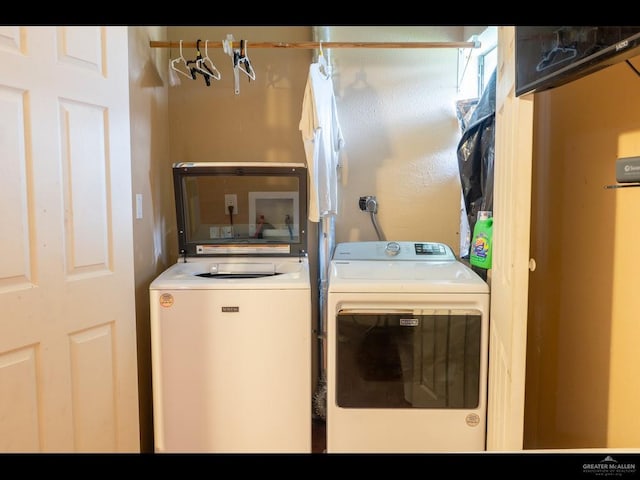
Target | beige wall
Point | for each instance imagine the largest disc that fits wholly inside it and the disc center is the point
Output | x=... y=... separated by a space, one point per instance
x=397 y=110
x=396 y=107
x=213 y=124
x=154 y=235
x=583 y=374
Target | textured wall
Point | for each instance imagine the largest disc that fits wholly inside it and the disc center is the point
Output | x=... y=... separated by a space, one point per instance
x=397 y=110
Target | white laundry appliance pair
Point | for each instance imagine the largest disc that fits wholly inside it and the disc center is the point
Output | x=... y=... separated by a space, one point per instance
x=231 y=322
x=407 y=343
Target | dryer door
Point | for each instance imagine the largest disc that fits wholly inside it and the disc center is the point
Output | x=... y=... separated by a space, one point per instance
x=395 y=359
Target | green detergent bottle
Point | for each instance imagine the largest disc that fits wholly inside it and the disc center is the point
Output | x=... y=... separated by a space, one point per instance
x=480 y=255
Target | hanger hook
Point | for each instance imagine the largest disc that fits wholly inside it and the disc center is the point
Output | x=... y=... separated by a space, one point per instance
x=321 y=52
x=181 y=49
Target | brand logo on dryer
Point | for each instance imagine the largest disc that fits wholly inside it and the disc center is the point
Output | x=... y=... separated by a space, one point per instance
x=409 y=322
x=230 y=309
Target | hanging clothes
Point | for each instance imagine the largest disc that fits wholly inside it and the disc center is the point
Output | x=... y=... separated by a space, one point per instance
x=322 y=138
x=475 y=157
x=323 y=141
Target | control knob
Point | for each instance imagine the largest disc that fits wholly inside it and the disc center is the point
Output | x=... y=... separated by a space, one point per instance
x=392 y=249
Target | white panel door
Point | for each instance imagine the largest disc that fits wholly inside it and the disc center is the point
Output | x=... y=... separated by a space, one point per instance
x=510 y=273
x=68 y=371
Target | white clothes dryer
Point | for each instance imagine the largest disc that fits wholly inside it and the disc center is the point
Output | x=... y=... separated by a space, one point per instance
x=231 y=320
x=407 y=356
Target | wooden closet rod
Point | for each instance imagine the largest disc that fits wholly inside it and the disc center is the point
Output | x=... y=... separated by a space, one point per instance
x=210 y=44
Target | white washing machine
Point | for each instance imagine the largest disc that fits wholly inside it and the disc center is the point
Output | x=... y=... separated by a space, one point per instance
x=407 y=350
x=231 y=323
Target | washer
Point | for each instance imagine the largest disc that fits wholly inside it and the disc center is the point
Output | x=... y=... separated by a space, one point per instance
x=407 y=356
x=231 y=321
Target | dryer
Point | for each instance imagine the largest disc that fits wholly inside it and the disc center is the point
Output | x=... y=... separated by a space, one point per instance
x=407 y=350
x=231 y=320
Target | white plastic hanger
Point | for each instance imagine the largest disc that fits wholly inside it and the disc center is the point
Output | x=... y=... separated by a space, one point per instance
x=205 y=64
x=227 y=47
x=322 y=62
x=239 y=59
x=243 y=59
x=175 y=64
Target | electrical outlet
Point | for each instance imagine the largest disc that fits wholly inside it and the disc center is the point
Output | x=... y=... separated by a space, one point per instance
x=230 y=199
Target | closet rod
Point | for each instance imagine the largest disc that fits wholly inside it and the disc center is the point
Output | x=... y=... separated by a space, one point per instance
x=174 y=44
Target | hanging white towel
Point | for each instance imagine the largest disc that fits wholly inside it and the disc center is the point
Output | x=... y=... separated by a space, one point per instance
x=322 y=138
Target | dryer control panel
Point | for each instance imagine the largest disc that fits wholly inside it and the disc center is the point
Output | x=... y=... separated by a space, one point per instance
x=432 y=249
x=384 y=250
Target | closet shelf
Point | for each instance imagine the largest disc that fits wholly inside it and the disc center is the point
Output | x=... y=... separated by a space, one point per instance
x=312 y=45
x=623 y=185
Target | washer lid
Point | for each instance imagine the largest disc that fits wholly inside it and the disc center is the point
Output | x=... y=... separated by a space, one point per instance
x=241 y=209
